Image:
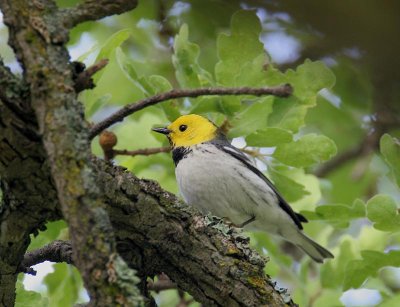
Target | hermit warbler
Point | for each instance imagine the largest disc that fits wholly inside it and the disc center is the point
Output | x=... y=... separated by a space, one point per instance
x=216 y=177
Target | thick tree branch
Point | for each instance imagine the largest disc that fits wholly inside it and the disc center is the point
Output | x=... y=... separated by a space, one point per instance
x=279 y=91
x=56 y=251
x=213 y=263
x=27 y=201
x=95 y=9
x=64 y=136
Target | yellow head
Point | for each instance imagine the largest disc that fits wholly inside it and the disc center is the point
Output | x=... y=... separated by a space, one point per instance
x=189 y=130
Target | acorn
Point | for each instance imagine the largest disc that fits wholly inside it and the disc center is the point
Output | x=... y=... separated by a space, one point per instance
x=107 y=141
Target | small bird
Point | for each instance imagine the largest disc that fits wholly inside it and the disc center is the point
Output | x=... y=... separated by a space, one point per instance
x=218 y=178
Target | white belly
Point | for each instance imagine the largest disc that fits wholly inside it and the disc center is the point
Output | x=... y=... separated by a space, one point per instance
x=227 y=188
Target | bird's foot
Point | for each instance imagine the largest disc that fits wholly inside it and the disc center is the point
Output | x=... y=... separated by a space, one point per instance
x=250 y=220
x=231 y=224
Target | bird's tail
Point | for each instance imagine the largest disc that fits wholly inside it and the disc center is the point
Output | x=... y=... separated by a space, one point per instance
x=311 y=248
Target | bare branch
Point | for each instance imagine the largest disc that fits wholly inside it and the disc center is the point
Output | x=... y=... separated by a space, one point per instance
x=216 y=267
x=279 y=91
x=95 y=9
x=143 y=151
x=56 y=251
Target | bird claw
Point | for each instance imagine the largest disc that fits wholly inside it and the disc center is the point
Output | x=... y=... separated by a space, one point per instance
x=231 y=224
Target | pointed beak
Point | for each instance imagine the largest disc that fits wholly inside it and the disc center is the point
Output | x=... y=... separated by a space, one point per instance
x=165 y=131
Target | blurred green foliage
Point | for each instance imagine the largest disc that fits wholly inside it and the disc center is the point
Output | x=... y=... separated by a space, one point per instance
x=188 y=44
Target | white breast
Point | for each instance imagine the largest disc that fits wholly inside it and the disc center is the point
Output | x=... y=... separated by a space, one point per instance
x=214 y=181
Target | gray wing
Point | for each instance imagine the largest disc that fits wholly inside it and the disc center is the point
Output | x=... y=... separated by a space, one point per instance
x=225 y=146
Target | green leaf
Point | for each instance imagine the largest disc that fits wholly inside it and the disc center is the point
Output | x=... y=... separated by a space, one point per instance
x=288 y=114
x=339 y=215
x=63 y=285
x=309 y=78
x=239 y=48
x=185 y=59
x=252 y=118
x=290 y=189
x=308 y=150
x=230 y=104
x=206 y=104
x=53 y=232
x=109 y=47
x=357 y=271
x=127 y=66
x=254 y=72
x=170 y=107
x=392 y=300
x=332 y=272
x=95 y=104
x=328 y=298
x=27 y=298
x=390 y=149
x=113 y=42
x=335 y=122
x=160 y=84
x=383 y=212
x=269 y=137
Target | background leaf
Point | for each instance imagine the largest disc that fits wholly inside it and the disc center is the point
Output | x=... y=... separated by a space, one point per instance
x=382 y=211
x=390 y=149
x=339 y=215
x=268 y=137
x=357 y=271
x=63 y=285
x=308 y=150
x=27 y=298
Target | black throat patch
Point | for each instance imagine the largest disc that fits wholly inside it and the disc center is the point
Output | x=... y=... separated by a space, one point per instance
x=179 y=153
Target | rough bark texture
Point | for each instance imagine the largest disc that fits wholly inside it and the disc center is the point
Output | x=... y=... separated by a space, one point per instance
x=47 y=173
x=204 y=257
x=27 y=202
x=38 y=38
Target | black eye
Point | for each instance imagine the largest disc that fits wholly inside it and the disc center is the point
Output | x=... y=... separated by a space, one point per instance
x=182 y=128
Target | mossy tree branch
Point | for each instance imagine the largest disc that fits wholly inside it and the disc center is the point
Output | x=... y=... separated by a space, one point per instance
x=27 y=203
x=200 y=254
x=56 y=251
x=157 y=233
x=38 y=38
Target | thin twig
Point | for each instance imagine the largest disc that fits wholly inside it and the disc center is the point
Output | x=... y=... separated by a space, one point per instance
x=143 y=151
x=56 y=251
x=279 y=91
